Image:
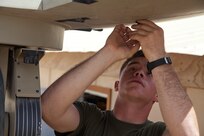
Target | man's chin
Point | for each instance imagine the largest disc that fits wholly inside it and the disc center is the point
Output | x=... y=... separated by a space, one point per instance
x=135 y=89
x=135 y=85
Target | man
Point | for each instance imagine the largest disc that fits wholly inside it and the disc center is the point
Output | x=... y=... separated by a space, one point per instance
x=138 y=88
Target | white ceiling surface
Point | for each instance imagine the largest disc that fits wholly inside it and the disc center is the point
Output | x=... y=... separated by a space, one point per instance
x=33 y=4
x=23 y=4
x=181 y=36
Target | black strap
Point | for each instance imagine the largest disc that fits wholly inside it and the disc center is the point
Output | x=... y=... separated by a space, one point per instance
x=156 y=63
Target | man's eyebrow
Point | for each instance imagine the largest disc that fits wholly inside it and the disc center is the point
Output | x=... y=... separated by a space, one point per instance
x=134 y=62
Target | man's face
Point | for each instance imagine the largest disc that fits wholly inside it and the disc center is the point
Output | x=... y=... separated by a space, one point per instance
x=135 y=82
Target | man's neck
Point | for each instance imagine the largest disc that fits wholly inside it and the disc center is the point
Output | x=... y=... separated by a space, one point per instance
x=131 y=112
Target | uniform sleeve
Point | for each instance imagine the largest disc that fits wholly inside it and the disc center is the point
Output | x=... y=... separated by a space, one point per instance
x=62 y=134
x=154 y=129
x=158 y=128
x=85 y=110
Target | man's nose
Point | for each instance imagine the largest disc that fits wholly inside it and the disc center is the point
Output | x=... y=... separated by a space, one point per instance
x=138 y=73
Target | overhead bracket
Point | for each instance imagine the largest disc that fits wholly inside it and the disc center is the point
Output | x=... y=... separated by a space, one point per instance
x=26 y=72
x=85 y=1
x=77 y=20
x=24 y=92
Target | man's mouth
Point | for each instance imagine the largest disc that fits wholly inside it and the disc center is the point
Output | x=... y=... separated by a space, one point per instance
x=137 y=81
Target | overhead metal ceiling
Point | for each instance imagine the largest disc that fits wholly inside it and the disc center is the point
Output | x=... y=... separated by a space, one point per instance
x=83 y=14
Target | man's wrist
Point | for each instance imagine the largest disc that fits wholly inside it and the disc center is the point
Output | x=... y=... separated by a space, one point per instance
x=109 y=53
x=158 y=62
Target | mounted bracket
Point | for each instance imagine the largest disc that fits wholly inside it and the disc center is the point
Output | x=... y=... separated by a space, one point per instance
x=26 y=72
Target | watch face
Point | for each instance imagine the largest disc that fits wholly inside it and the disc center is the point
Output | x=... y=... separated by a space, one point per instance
x=167 y=60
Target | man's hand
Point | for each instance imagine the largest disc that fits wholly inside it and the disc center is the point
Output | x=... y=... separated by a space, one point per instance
x=120 y=43
x=151 y=39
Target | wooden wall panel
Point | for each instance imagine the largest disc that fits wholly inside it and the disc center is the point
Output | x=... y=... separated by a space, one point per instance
x=189 y=68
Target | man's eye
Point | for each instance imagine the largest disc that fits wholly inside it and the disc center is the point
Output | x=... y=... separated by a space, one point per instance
x=133 y=69
x=149 y=74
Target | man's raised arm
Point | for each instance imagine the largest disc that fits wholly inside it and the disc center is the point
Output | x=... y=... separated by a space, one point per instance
x=176 y=106
x=57 y=101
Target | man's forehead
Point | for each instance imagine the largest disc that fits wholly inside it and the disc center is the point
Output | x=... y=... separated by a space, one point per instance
x=138 y=60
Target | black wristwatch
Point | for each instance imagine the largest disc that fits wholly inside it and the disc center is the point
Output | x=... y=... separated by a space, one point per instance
x=156 y=63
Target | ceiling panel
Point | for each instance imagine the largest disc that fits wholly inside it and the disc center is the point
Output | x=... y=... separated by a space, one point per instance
x=104 y=13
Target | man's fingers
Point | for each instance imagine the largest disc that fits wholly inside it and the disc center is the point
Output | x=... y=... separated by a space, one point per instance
x=132 y=43
x=128 y=29
x=133 y=47
x=139 y=32
x=142 y=27
x=137 y=35
x=125 y=37
x=147 y=22
x=120 y=27
x=123 y=31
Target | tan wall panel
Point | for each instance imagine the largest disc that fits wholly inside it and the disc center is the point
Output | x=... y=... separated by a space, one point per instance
x=197 y=97
x=190 y=69
x=106 y=81
x=55 y=74
x=44 y=77
x=155 y=114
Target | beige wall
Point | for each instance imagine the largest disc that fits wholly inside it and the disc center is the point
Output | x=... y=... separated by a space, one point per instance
x=197 y=97
x=53 y=65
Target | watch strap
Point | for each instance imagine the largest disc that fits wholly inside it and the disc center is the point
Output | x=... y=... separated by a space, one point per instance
x=156 y=63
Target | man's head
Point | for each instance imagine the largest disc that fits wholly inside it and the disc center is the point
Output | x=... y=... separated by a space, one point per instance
x=137 y=54
x=135 y=81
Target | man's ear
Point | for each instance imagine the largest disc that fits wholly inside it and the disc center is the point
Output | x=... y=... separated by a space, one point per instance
x=116 y=85
x=156 y=98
